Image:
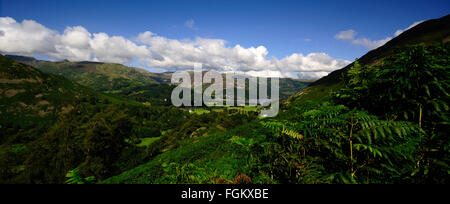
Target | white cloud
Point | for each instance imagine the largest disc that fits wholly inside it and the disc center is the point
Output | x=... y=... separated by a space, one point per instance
x=313 y=62
x=189 y=23
x=77 y=37
x=116 y=49
x=311 y=75
x=346 y=35
x=157 y=52
x=268 y=74
x=350 y=36
x=400 y=31
x=371 y=44
x=215 y=54
x=76 y=43
x=26 y=38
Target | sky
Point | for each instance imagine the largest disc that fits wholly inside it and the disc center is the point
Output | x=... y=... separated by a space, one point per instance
x=286 y=38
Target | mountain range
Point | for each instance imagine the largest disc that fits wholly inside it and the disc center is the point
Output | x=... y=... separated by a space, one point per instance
x=134 y=83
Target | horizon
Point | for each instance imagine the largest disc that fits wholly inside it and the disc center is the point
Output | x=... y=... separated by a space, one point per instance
x=259 y=38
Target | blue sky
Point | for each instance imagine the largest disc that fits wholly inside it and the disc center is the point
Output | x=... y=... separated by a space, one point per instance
x=282 y=27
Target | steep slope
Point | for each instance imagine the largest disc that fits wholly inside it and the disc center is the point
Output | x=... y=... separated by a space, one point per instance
x=31 y=98
x=428 y=32
x=47 y=122
x=207 y=159
x=27 y=92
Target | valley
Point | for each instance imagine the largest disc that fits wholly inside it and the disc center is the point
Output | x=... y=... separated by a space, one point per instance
x=382 y=119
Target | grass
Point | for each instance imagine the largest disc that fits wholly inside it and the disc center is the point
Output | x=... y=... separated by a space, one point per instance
x=316 y=93
x=145 y=142
x=105 y=77
x=199 y=111
x=246 y=108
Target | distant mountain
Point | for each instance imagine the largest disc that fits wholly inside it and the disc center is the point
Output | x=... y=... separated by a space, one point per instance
x=21 y=58
x=97 y=75
x=428 y=32
x=29 y=97
x=129 y=82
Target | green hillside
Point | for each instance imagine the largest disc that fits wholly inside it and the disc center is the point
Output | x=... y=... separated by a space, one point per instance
x=28 y=92
x=370 y=131
x=383 y=119
x=52 y=128
x=96 y=75
x=386 y=122
x=29 y=97
x=214 y=158
x=133 y=83
x=41 y=115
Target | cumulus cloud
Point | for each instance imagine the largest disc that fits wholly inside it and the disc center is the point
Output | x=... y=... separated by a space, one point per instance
x=350 y=36
x=26 y=38
x=400 y=31
x=157 y=52
x=116 y=49
x=215 y=54
x=77 y=37
x=75 y=43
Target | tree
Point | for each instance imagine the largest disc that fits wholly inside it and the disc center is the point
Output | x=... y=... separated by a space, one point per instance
x=104 y=141
x=411 y=85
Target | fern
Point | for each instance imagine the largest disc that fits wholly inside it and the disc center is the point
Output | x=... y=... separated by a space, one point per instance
x=74 y=178
x=351 y=142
